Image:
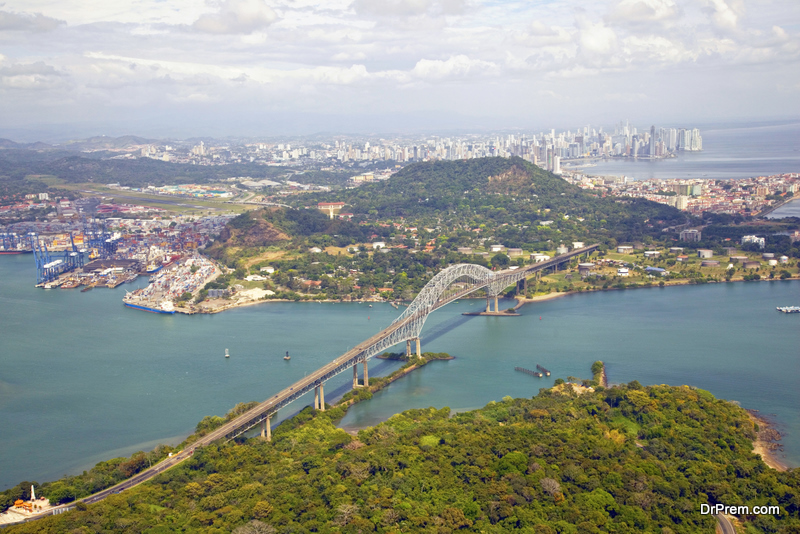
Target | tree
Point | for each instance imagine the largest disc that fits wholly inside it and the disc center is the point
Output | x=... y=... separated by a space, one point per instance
x=550 y=486
x=346 y=513
x=455 y=519
x=262 y=509
x=255 y=527
x=500 y=260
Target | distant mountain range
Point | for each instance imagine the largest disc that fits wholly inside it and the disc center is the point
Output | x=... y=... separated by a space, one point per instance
x=92 y=143
x=8 y=143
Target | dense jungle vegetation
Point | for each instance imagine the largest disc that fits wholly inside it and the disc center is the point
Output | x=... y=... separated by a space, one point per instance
x=629 y=459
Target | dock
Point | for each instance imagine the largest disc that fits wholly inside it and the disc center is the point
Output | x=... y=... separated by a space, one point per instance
x=543 y=370
x=504 y=313
x=537 y=374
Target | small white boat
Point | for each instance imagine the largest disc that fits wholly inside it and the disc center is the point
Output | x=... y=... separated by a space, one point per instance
x=227 y=354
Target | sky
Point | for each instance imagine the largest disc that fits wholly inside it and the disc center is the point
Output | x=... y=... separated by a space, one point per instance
x=182 y=68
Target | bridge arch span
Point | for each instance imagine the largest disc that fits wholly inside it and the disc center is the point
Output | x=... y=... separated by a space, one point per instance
x=435 y=288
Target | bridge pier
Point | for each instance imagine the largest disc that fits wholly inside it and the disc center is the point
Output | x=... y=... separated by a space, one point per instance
x=366 y=375
x=419 y=350
x=266 y=429
x=522 y=286
x=355 y=375
x=322 y=396
x=316 y=398
x=408 y=349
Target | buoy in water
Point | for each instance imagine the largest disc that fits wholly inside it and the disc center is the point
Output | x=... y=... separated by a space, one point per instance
x=540 y=317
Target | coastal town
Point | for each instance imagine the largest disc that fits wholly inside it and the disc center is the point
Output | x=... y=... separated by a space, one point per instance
x=745 y=196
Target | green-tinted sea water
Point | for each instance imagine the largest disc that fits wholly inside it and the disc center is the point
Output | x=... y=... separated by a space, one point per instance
x=84 y=379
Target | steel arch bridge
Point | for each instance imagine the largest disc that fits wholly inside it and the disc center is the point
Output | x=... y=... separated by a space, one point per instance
x=450 y=284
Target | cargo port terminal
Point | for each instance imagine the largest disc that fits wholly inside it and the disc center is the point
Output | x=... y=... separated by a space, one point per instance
x=171 y=283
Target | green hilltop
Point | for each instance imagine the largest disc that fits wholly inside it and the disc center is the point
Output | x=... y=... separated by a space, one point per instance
x=499 y=191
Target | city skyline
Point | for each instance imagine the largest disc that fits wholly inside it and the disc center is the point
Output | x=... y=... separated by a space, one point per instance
x=280 y=67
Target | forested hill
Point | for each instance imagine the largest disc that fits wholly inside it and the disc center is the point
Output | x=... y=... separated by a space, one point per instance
x=450 y=185
x=629 y=459
x=505 y=191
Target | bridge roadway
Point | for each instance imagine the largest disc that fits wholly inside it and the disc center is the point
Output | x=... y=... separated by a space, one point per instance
x=361 y=352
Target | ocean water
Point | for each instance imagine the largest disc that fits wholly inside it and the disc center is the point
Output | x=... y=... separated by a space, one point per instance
x=790 y=209
x=728 y=152
x=84 y=379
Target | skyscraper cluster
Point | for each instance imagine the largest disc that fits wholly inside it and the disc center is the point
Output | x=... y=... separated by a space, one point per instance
x=549 y=149
x=657 y=143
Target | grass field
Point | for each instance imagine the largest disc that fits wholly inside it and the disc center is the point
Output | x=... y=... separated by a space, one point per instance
x=48 y=179
x=178 y=205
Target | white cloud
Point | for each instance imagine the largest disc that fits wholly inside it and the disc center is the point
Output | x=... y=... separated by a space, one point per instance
x=112 y=66
x=596 y=40
x=346 y=56
x=402 y=54
x=237 y=16
x=35 y=22
x=725 y=14
x=655 y=49
x=408 y=8
x=78 y=12
x=539 y=34
x=29 y=77
x=454 y=67
x=643 y=12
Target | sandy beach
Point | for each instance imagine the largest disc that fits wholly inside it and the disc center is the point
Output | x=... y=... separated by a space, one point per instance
x=764 y=445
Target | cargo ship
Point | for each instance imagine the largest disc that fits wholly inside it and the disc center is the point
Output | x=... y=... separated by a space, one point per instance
x=164 y=309
x=165 y=262
x=789 y=309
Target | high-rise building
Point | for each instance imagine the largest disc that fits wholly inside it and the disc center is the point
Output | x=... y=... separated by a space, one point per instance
x=690 y=140
x=697 y=141
x=652 y=150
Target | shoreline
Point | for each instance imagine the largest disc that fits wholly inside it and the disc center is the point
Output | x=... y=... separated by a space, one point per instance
x=521 y=301
x=765 y=444
x=524 y=300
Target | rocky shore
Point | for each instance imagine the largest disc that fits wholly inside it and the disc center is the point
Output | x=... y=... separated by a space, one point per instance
x=767 y=443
